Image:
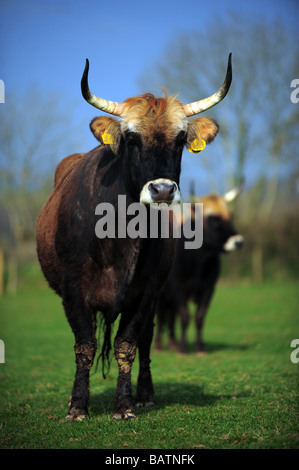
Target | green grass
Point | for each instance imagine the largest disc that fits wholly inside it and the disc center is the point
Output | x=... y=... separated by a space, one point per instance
x=242 y=394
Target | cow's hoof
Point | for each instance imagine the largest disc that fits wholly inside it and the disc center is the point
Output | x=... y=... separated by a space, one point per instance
x=150 y=403
x=75 y=414
x=201 y=353
x=126 y=415
x=129 y=414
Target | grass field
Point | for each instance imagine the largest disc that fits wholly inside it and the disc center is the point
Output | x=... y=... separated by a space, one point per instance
x=242 y=394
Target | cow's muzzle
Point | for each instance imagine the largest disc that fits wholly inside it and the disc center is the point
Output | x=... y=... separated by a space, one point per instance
x=160 y=191
x=234 y=243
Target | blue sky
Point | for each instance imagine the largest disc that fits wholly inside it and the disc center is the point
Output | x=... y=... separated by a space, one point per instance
x=45 y=42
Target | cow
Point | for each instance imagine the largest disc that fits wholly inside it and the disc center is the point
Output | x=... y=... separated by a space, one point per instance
x=139 y=157
x=195 y=273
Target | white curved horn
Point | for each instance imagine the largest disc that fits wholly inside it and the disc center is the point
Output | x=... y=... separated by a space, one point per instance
x=111 y=107
x=202 y=105
x=233 y=193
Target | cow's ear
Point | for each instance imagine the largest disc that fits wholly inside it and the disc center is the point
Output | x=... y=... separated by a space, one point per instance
x=106 y=130
x=201 y=131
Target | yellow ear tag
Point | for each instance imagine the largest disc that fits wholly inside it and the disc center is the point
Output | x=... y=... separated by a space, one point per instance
x=197 y=145
x=108 y=138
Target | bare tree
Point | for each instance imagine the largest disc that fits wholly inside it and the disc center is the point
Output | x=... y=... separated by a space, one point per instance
x=36 y=132
x=259 y=123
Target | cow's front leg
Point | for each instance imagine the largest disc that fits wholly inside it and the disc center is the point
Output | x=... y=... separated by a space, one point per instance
x=134 y=330
x=145 y=388
x=185 y=317
x=203 y=302
x=125 y=352
x=82 y=321
x=79 y=400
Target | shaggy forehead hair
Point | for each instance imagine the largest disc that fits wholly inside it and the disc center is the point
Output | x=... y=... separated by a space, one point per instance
x=215 y=205
x=154 y=118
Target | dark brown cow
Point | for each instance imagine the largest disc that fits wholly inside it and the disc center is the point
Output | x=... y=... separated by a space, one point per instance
x=194 y=273
x=140 y=158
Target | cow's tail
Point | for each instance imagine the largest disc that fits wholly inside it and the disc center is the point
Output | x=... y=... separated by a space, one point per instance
x=105 y=328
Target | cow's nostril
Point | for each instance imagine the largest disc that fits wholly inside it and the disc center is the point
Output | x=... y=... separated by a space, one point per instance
x=162 y=191
x=239 y=243
x=172 y=190
x=159 y=191
x=153 y=188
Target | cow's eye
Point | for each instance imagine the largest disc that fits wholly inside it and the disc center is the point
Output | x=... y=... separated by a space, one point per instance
x=181 y=138
x=214 y=221
x=132 y=138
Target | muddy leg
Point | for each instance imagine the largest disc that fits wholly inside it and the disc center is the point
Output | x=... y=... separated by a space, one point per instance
x=125 y=354
x=83 y=325
x=135 y=328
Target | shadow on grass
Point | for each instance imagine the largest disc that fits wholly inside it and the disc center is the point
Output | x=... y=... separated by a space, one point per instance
x=210 y=347
x=166 y=394
x=214 y=347
x=174 y=393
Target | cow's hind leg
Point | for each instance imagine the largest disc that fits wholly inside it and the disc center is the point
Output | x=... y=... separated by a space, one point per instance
x=82 y=321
